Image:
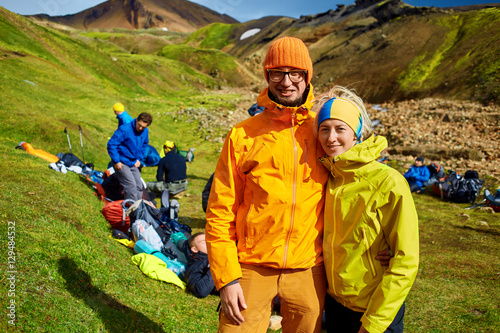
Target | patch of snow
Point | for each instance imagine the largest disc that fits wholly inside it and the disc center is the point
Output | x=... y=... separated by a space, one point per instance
x=32 y=83
x=249 y=33
x=164 y=29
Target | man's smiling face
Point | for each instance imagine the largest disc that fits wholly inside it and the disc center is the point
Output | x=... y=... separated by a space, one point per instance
x=286 y=92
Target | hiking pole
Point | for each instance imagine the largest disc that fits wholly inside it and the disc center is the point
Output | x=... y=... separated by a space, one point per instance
x=69 y=142
x=479 y=204
x=81 y=143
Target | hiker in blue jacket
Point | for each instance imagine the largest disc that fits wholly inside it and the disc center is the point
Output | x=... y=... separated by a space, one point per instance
x=122 y=115
x=198 y=277
x=126 y=148
x=417 y=175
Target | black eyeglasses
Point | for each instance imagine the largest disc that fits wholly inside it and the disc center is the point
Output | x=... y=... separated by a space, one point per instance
x=276 y=75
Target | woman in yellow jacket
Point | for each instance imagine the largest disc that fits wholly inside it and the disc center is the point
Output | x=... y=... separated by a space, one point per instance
x=368 y=208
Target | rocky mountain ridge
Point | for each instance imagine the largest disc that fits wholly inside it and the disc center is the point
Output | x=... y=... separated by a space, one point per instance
x=385 y=48
x=393 y=51
x=173 y=15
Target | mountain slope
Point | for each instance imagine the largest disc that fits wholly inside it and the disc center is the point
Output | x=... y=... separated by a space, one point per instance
x=389 y=50
x=55 y=73
x=174 y=15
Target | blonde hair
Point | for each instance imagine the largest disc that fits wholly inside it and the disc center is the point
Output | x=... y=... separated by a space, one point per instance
x=342 y=92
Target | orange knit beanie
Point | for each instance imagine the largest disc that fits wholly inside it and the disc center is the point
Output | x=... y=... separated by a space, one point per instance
x=288 y=52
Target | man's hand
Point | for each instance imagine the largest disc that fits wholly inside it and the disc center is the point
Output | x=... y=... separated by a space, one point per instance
x=137 y=163
x=118 y=166
x=232 y=300
x=384 y=257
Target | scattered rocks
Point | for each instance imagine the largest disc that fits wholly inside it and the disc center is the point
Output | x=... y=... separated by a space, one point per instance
x=487 y=209
x=465 y=216
x=460 y=135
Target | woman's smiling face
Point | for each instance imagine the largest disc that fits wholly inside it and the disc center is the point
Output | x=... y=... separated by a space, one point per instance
x=336 y=137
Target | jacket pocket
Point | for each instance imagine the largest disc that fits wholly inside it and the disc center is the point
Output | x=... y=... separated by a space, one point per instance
x=248 y=230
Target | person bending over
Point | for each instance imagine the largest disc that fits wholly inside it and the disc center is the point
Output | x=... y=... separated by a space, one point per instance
x=126 y=148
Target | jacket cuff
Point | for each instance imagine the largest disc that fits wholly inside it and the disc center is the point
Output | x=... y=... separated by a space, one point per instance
x=231 y=283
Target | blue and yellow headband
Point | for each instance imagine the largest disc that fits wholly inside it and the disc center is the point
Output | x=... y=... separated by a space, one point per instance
x=344 y=110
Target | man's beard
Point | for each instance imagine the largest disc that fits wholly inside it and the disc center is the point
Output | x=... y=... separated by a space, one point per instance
x=285 y=101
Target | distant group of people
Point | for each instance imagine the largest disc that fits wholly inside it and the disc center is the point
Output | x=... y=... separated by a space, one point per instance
x=128 y=149
x=420 y=176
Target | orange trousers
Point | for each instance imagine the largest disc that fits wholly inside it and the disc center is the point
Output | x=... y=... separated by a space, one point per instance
x=301 y=293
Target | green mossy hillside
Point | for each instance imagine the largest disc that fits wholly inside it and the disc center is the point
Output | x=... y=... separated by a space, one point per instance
x=213 y=36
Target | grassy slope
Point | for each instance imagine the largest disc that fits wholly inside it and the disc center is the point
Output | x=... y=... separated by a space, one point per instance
x=73 y=278
x=462 y=56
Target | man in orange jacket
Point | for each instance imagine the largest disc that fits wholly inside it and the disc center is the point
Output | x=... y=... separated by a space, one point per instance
x=265 y=213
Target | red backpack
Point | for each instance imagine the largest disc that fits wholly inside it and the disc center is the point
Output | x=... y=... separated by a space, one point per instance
x=114 y=212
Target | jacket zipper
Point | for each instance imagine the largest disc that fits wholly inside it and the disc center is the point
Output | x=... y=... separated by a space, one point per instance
x=334 y=201
x=294 y=191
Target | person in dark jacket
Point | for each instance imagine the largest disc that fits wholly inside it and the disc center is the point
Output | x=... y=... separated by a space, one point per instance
x=205 y=194
x=198 y=278
x=417 y=175
x=171 y=173
x=126 y=148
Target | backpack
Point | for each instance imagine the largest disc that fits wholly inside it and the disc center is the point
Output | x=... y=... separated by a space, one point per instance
x=114 y=213
x=187 y=154
x=112 y=187
x=145 y=210
x=436 y=170
x=170 y=214
x=459 y=189
x=151 y=156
